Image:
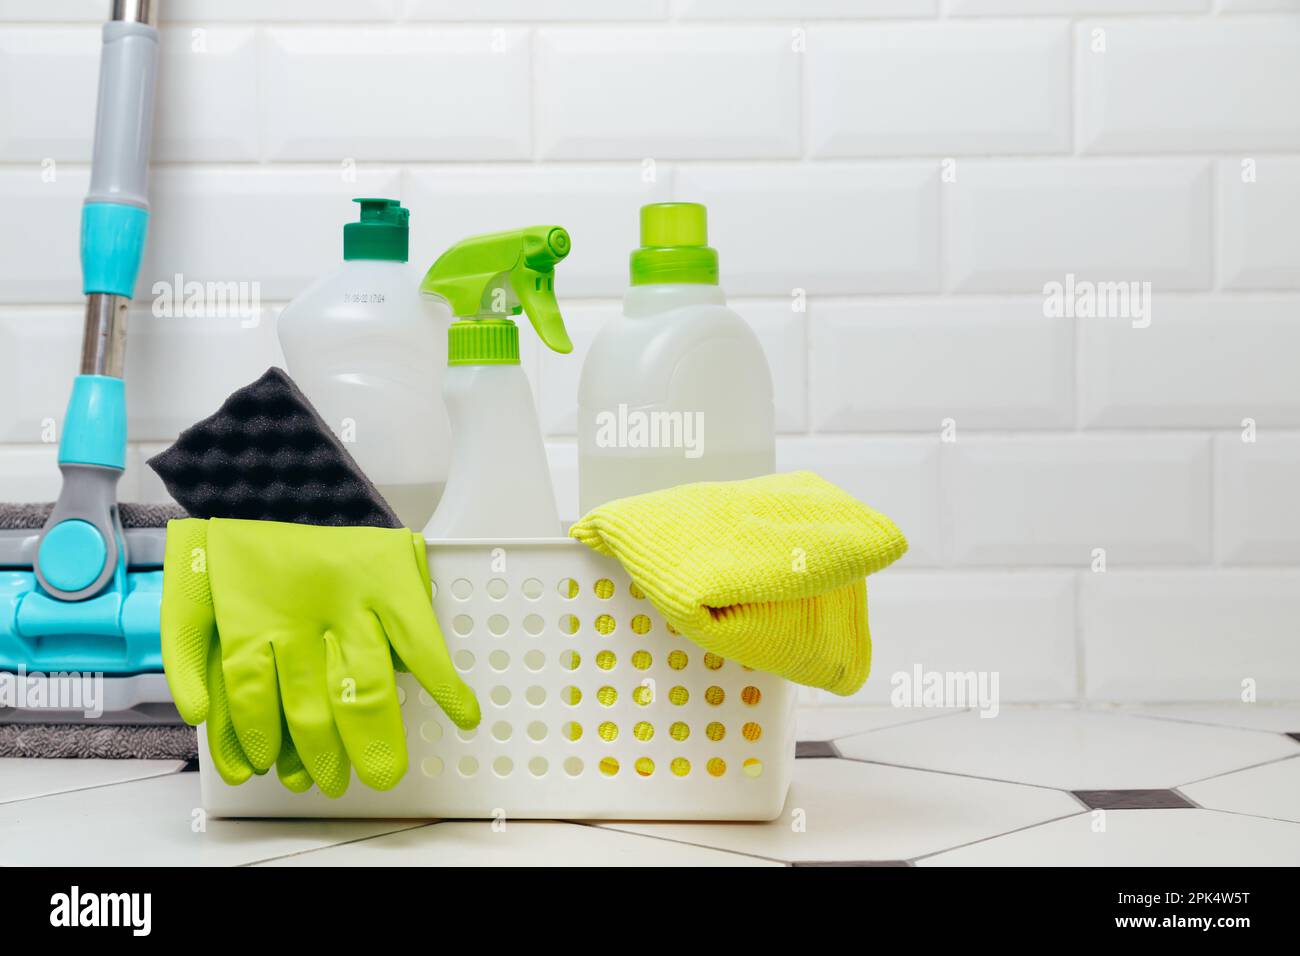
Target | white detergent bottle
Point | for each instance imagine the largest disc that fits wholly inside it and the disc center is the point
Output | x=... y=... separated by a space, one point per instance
x=368 y=351
x=677 y=389
x=499 y=485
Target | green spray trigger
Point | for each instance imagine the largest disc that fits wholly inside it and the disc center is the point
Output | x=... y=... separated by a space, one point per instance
x=486 y=279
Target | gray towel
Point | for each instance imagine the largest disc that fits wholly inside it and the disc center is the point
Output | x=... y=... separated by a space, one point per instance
x=87 y=741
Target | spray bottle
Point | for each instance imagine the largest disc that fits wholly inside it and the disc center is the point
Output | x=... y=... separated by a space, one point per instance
x=499 y=484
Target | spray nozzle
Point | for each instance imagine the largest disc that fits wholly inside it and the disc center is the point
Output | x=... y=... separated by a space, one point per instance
x=493 y=277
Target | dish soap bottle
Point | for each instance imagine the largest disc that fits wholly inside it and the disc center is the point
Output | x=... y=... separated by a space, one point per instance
x=677 y=389
x=499 y=485
x=368 y=351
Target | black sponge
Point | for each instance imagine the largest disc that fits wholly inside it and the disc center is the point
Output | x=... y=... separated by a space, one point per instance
x=266 y=455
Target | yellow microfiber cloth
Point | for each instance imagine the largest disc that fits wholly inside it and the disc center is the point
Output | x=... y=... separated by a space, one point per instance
x=769 y=572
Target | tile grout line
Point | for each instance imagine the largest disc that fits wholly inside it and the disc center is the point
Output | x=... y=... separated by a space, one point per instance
x=1250 y=816
x=1204 y=723
x=997 y=836
x=953 y=773
x=613 y=826
x=1228 y=773
x=594 y=825
x=94 y=786
x=317 y=849
x=875 y=730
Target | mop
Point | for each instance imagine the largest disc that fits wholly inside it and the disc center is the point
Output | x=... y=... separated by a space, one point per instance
x=81 y=579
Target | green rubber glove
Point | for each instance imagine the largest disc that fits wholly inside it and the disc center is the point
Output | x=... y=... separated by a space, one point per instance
x=293 y=651
x=192 y=659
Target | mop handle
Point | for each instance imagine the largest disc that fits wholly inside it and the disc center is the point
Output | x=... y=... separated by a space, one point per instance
x=81 y=547
x=116 y=212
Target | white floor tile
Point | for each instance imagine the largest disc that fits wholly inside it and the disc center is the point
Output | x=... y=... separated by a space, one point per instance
x=143 y=812
x=831 y=723
x=1278 y=719
x=1139 y=838
x=1070 y=749
x=152 y=823
x=841 y=810
x=519 y=844
x=1272 y=790
x=22 y=778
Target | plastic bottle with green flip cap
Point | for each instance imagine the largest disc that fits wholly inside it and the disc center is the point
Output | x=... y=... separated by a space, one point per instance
x=677 y=389
x=369 y=351
x=499 y=485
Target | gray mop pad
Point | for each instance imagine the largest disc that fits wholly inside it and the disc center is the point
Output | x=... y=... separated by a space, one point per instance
x=32 y=516
x=106 y=743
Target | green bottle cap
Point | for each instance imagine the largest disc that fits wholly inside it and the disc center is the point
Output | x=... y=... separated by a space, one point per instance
x=674 y=246
x=483 y=342
x=383 y=232
x=487 y=278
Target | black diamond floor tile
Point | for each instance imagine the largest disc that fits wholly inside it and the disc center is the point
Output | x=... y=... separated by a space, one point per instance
x=856 y=863
x=815 y=749
x=1133 y=799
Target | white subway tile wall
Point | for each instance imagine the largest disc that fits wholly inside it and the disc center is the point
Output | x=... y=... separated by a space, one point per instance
x=207 y=90
x=39 y=233
x=1188 y=84
x=1027 y=272
x=805 y=228
x=994 y=8
x=1259 y=215
x=907 y=364
x=1203 y=362
x=1209 y=634
x=1078 y=500
x=1020 y=626
x=671 y=92
x=1258 y=519
x=55 y=118
x=1014 y=225
x=969 y=88
x=398 y=92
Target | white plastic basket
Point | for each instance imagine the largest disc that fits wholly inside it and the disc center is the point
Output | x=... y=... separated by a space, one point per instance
x=562 y=653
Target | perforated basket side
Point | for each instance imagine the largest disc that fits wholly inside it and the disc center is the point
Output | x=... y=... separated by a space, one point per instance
x=592 y=707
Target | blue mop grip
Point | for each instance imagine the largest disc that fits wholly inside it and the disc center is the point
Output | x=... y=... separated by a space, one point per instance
x=94 y=430
x=116 y=214
x=112 y=245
